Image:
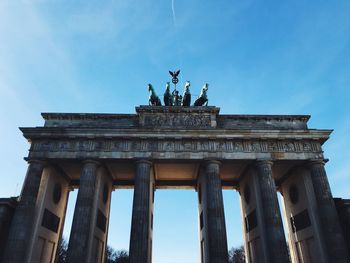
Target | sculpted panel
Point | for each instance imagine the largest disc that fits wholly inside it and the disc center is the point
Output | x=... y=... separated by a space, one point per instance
x=177 y=120
x=176 y=145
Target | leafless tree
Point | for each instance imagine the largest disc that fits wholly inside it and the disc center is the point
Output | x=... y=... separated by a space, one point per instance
x=116 y=256
x=112 y=255
x=236 y=255
x=62 y=251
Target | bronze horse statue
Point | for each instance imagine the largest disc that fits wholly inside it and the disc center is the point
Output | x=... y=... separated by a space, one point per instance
x=186 y=97
x=202 y=98
x=153 y=98
x=168 y=98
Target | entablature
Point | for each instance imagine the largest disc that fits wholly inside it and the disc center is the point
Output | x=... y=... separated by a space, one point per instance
x=175 y=132
x=176 y=117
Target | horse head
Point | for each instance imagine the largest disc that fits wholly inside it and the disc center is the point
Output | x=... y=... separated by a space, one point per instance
x=167 y=87
x=150 y=88
x=205 y=87
x=187 y=86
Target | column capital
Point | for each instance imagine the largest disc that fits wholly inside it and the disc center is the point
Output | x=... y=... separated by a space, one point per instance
x=91 y=161
x=211 y=161
x=264 y=161
x=143 y=160
x=312 y=162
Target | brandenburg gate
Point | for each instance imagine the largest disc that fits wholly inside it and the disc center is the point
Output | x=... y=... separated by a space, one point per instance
x=177 y=147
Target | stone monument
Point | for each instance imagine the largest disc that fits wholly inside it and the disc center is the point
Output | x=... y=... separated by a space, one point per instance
x=192 y=147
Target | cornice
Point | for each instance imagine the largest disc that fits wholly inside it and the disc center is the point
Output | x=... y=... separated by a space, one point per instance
x=289 y=118
x=91 y=133
x=85 y=116
x=176 y=109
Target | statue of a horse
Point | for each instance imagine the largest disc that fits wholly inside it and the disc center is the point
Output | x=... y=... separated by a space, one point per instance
x=202 y=99
x=186 y=97
x=168 y=98
x=153 y=98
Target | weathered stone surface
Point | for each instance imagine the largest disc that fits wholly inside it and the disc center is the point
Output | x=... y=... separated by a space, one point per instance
x=343 y=209
x=182 y=148
x=153 y=117
x=170 y=137
x=7 y=209
x=214 y=230
x=272 y=221
x=23 y=220
x=331 y=230
x=141 y=232
x=175 y=133
x=179 y=145
x=79 y=248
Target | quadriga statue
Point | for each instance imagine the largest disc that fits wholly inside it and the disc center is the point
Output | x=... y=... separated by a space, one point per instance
x=168 y=98
x=202 y=98
x=153 y=98
x=186 y=98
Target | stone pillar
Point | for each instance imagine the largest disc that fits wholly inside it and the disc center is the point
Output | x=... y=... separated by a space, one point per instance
x=300 y=207
x=50 y=212
x=212 y=217
x=7 y=210
x=328 y=217
x=271 y=215
x=88 y=236
x=142 y=214
x=263 y=230
x=23 y=220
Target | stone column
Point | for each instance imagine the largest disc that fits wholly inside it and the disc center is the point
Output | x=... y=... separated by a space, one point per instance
x=272 y=221
x=141 y=233
x=215 y=239
x=328 y=217
x=23 y=220
x=81 y=234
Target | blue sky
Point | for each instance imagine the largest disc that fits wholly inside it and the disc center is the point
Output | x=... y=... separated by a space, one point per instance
x=259 y=57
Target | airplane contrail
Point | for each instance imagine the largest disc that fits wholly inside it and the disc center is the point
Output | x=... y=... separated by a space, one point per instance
x=173 y=9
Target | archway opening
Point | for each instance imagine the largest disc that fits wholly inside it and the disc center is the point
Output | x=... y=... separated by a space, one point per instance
x=120 y=219
x=175 y=226
x=72 y=198
x=233 y=219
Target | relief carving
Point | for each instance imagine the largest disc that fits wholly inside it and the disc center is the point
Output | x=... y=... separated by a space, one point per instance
x=189 y=145
x=256 y=147
x=237 y=147
x=289 y=147
x=182 y=120
x=272 y=147
x=307 y=147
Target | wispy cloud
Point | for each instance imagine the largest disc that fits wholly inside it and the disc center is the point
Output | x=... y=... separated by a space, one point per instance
x=30 y=50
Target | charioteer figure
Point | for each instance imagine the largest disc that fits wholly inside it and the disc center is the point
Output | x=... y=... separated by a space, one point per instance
x=177 y=98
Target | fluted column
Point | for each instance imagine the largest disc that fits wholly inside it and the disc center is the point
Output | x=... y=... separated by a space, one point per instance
x=141 y=232
x=23 y=220
x=80 y=237
x=272 y=221
x=213 y=210
x=331 y=230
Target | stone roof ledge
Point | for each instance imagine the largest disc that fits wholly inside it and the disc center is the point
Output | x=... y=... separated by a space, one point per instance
x=177 y=109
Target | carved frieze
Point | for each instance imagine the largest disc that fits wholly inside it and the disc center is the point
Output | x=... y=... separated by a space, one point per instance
x=177 y=120
x=176 y=145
